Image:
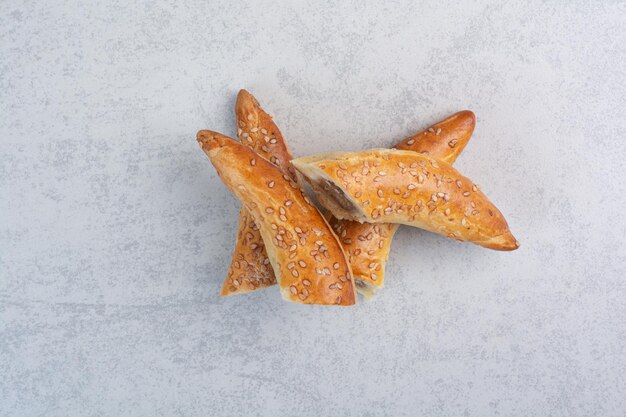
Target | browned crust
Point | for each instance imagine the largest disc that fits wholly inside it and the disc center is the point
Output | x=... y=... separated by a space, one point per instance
x=249 y=267
x=392 y=186
x=306 y=256
x=368 y=245
x=445 y=140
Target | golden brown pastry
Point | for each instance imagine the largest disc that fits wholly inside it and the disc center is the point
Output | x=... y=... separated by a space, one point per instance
x=306 y=256
x=393 y=186
x=367 y=245
x=250 y=268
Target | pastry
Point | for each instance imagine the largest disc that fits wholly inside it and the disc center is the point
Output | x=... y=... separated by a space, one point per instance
x=249 y=268
x=306 y=256
x=405 y=187
x=367 y=245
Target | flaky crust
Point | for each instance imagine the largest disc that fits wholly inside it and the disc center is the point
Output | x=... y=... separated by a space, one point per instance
x=249 y=267
x=367 y=245
x=307 y=258
x=393 y=186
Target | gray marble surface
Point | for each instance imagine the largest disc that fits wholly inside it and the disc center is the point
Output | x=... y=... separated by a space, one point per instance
x=115 y=232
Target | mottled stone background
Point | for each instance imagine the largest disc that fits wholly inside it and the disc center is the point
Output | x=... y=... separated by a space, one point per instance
x=115 y=232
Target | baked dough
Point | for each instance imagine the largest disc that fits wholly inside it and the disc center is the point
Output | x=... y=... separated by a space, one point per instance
x=395 y=186
x=367 y=245
x=250 y=268
x=306 y=256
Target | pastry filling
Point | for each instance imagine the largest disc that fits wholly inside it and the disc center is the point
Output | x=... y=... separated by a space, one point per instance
x=337 y=195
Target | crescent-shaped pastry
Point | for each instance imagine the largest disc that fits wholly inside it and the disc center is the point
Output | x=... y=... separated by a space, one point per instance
x=250 y=267
x=305 y=254
x=367 y=245
x=394 y=186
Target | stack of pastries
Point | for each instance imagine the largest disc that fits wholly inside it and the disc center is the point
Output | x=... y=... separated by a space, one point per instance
x=324 y=256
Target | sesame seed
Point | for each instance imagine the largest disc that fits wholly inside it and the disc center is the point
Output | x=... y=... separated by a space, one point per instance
x=382 y=173
x=358 y=194
x=282 y=217
x=376 y=178
x=373 y=276
x=463 y=221
x=396 y=191
x=438 y=131
x=253 y=162
x=342 y=165
x=410 y=142
x=459 y=183
x=440 y=194
x=270 y=184
x=264 y=131
x=420 y=179
x=474 y=188
x=452 y=143
x=298 y=230
x=245 y=134
x=447 y=211
x=254 y=129
x=273 y=141
x=372 y=265
x=294 y=272
x=254 y=246
x=293 y=247
x=431 y=130
x=434 y=164
x=269 y=210
x=288 y=203
x=466 y=194
x=332 y=286
x=336 y=265
x=380 y=193
x=433 y=197
x=264 y=148
x=411 y=186
x=293 y=290
x=306 y=282
x=302 y=264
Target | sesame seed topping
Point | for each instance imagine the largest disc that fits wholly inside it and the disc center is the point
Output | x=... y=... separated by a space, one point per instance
x=269 y=210
x=342 y=165
x=253 y=162
x=463 y=221
x=433 y=197
x=373 y=276
x=254 y=129
x=452 y=143
x=283 y=218
x=288 y=203
x=336 y=265
x=380 y=193
x=382 y=173
x=431 y=130
x=302 y=264
x=270 y=184
x=411 y=186
x=447 y=211
x=293 y=290
x=306 y=282
x=438 y=131
x=254 y=246
x=459 y=183
x=466 y=194
x=264 y=131
x=410 y=142
x=474 y=187
x=245 y=134
x=434 y=164
x=294 y=272
x=420 y=179
x=440 y=194
x=376 y=179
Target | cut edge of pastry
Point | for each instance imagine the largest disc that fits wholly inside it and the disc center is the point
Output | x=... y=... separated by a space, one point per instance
x=329 y=194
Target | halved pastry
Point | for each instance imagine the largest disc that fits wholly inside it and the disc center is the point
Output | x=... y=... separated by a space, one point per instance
x=394 y=186
x=367 y=245
x=306 y=256
x=250 y=268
